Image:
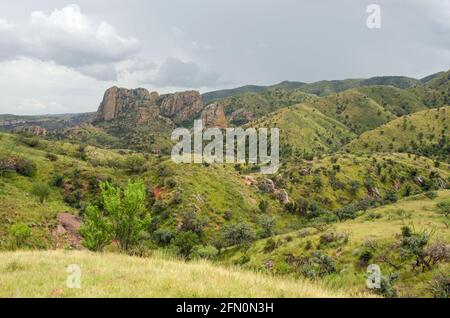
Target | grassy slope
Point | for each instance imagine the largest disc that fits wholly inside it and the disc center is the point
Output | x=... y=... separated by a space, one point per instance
x=43 y=274
x=354 y=109
x=395 y=100
x=394 y=174
x=418 y=212
x=305 y=129
x=209 y=191
x=422 y=128
x=263 y=103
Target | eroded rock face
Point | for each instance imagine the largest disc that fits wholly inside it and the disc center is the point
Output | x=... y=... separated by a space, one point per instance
x=34 y=130
x=119 y=100
x=241 y=117
x=214 y=117
x=182 y=106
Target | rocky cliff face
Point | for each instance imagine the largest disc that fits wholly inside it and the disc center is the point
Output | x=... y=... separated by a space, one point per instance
x=181 y=107
x=145 y=106
x=214 y=116
x=117 y=101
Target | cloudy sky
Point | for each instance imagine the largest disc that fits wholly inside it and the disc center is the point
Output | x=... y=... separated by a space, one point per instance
x=59 y=56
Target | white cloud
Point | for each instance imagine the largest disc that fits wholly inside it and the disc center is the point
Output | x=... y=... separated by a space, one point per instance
x=38 y=87
x=70 y=38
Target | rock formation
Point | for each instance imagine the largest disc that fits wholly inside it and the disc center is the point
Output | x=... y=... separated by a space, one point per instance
x=182 y=106
x=214 y=116
x=119 y=100
x=145 y=106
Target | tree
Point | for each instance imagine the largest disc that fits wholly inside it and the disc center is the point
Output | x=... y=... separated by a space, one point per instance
x=185 y=241
x=127 y=213
x=123 y=216
x=96 y=229
x=41 y=190
x=238 y=234
x=267 y=223
x=19 y=234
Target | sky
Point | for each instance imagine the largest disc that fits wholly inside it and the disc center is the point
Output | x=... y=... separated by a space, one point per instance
x=60 y=56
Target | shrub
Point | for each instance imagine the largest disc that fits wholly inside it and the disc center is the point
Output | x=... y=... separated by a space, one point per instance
x=267 y=224
x=25 y=167
x=185 y=241
x=391 y=197
x=125 y=210
x=270 y=246
x=171 y=183
x=163 y=236
x=263 y=206
x=19 y=234
x=41 y=190
x=96 y=230
x=347 y=212
x=431 y=195
x=206 y=252
x=51 y=156
x=190 y=222
x=387 y=288
x=136 y=164
x=439 y=286
x=32 y=142
x=444 y=207
x=238 y=234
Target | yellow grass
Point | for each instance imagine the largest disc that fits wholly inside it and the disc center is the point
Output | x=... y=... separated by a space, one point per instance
x=43 y=274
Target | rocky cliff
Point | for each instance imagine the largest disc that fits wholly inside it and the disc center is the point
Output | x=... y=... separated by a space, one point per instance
x=145 y=106
x=214 y=116
x=117 y=101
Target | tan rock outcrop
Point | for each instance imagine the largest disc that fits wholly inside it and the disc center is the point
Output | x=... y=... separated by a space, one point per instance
x=119 y=100
x=214 y=117
x=182 y=106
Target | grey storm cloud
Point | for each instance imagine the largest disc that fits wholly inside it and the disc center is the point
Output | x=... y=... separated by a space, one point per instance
x=203 y=44
x=176 y=73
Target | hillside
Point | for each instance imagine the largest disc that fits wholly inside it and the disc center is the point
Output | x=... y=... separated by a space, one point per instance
x=247 y=107
x=371 y=238
x=25 y=274
x=305 y=130
x=354 y=109
x=424 y=133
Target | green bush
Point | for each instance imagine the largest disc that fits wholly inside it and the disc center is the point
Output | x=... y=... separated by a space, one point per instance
x=185 y=242
x=136 y=164
x=206 y=252
x=51 y=156
x=163 y=236
x=25 y=167
x=124 y=210
x=41 y=190
x=238 y=234
x=171 y=183
x=96 y=229
x=267 y=224
x=439 y=286
x=263 y=206
x=444 y=208
x=19 y=234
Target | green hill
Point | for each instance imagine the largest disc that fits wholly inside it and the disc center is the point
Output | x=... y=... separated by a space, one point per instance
x=354 y=109
x=305 y=130
x=340 y=254
x=425 y=133
x=397 y=101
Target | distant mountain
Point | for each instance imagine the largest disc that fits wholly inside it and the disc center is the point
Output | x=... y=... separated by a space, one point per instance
x=320 y=88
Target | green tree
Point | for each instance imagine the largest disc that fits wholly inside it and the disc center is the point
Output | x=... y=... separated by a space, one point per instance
x=19 y=234
x=124 y=213
x=238 y=234
x=41 y=190
x=96 y=229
